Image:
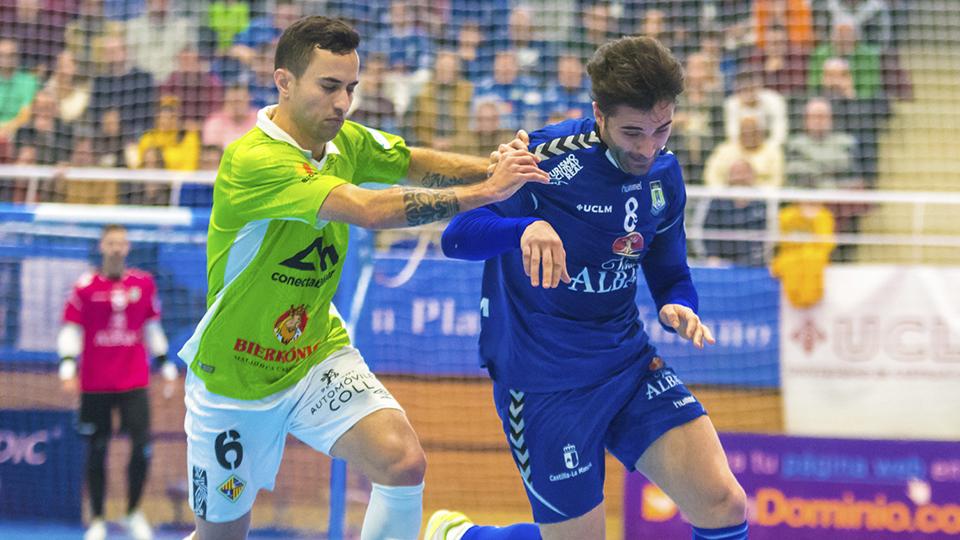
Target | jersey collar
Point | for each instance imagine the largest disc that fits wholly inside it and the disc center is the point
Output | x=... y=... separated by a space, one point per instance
x=266 y=124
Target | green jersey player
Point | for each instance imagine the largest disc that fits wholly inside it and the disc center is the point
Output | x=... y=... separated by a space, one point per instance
x=271 y=356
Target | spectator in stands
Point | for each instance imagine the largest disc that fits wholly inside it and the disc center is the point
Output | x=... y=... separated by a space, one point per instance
x=474 y=61
x=70 y=91
x=784 y=65
x=698 y=120
x=794 y=16
x=110 y=146
x=523 y=38
x=267 y=28
x=871 y=19
x=406 y=39
x=864 y=61
x=821 y=157
x=800 y=265
x=179 y=143
x=373 y=100
x=595 y=27
x=227 y=18
x=18 y=87
x=127 y=89
x=259 y=78
x=864 y=118
x=569 y=95
x=210 y=156
x=443 y=107
x=485 y=133
x=155 y=38
x=87 y=191
x=764 y=156
x=722 y=61
x=148 y=193
x=739 y=216
x=89 y=37
x=200 y=92
x=38 y=33
x=236 y=117
x=518 y=93
x=751 y=98
x=50 y=136
x=111 y=321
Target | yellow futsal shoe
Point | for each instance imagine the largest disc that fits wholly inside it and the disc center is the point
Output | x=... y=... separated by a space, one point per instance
x=447 y=525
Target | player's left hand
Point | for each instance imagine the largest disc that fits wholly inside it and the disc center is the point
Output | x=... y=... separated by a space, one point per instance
x=521 y=141
x=687 y=324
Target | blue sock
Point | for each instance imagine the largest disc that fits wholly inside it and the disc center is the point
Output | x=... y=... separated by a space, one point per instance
x=522 y=531
x=737 y=532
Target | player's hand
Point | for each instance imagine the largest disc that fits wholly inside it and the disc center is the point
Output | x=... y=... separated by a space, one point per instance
x=516 y=167
x=687 y=324
x=520 y=142
x=543 y=250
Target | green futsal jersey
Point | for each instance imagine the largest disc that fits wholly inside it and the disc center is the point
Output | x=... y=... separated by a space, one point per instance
x=272 y=267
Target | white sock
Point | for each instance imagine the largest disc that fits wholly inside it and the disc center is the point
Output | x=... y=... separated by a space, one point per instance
x=394 y=513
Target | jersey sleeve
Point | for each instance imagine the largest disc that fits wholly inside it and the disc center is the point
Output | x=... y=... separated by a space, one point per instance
x=382 y=157
x=154 y=309
x=262 y=183
x=73 y=309
x=665 y=264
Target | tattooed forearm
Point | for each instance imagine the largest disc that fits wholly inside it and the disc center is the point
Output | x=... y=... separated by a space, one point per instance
x=437 y=180
x=427 y=205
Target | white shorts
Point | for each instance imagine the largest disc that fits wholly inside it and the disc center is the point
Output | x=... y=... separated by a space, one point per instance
x=234 y=446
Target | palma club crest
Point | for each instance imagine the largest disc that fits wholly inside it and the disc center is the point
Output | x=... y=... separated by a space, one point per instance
x=290 y=324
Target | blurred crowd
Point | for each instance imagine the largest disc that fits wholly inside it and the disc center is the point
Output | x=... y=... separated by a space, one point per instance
x=778 y=93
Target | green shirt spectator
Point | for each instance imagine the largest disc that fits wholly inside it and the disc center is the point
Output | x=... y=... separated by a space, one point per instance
x=17 y=87
x=864 y=61
x=227 y=19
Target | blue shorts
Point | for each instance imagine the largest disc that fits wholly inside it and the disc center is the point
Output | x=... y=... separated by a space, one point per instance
x=558 y=438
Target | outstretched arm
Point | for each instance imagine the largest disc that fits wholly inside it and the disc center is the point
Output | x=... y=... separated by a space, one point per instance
x=409 y=206
x=435 y=169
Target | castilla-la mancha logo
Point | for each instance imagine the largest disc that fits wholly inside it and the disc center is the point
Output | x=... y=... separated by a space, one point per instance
x=290 y=324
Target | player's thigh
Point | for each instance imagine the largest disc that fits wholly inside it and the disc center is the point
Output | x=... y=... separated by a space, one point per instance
x=346 y=412
x=233 y=450
x=689 y=465
x=95 y=417
x=556 y=442
x=135 y=415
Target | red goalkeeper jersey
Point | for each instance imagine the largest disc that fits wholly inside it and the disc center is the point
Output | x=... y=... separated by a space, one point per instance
x=112 y=314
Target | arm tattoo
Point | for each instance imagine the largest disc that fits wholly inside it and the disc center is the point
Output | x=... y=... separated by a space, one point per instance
x=428 y=205
x=437 y=180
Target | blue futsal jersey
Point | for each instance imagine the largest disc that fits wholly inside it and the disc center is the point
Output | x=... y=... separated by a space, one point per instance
x=613 y=225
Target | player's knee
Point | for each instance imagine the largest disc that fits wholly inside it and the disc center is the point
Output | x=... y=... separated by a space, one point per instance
x=729 y=506
x=406 y=465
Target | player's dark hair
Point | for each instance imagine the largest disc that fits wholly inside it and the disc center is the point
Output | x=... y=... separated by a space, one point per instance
x=110 y=227
x=302 y=37
x=635 y=71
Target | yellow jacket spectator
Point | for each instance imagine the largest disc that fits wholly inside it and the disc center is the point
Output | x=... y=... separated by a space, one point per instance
x=180 y=147
x=800 y=265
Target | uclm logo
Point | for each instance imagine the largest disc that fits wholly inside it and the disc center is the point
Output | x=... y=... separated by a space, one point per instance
x=29 y=448
x=902 y=338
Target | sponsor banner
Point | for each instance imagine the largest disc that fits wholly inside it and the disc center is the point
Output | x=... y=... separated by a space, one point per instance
x=878 y=357
x=801 y=488
x=430 y=323
x=41 y=465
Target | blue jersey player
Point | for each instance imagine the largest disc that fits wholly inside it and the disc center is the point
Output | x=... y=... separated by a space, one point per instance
x=574 y=371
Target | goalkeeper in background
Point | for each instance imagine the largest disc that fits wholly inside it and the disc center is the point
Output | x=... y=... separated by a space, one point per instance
x=111 y=320
x=574 y=371
x=272 y=355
